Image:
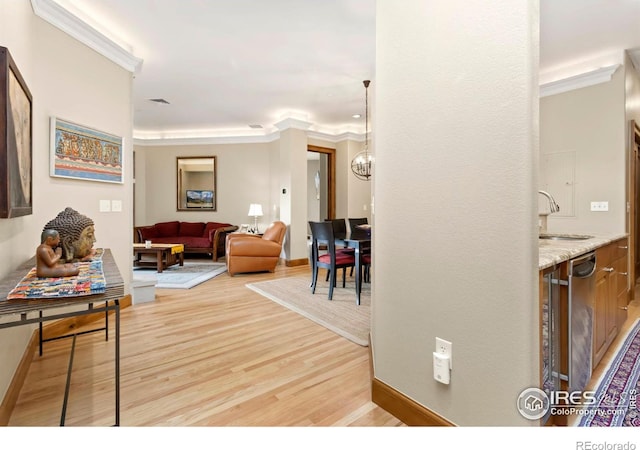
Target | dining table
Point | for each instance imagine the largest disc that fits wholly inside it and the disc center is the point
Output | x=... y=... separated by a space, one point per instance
x=360 y=240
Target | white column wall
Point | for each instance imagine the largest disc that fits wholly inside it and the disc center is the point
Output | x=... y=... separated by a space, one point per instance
x=293 y=203
x=455 y=244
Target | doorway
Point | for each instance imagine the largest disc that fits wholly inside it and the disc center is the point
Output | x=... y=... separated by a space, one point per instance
x=321 y=175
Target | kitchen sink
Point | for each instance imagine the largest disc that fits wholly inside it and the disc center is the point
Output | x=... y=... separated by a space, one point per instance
x=565 y=237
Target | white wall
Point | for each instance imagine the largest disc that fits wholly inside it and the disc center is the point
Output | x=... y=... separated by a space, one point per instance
x=358 y=203
x=70 y=81
x=243 y=177
x=247 y=173
x=313 y=199
x=351 y=194
x=632 y=91
x=588 y=123
x=456 y=131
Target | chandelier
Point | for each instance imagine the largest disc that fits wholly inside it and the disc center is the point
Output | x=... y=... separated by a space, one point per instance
x=362 y=162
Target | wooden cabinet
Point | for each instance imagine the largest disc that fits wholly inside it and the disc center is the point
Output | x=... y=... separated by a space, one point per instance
x=608 y=315
x=621 y=269
x=611 y=296
x=602 y=336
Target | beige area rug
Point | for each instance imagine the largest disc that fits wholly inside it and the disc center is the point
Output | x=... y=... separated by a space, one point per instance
x=340 y=315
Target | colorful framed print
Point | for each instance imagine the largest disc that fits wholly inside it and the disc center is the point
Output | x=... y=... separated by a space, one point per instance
x=83 y=153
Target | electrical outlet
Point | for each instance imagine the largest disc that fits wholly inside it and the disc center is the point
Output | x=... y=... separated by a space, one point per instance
x=445 y=348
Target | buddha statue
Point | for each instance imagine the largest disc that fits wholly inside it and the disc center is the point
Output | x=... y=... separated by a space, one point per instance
x=77 y=235
x=48 y=256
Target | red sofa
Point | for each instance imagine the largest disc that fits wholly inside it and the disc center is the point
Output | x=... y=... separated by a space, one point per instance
x=197 y=237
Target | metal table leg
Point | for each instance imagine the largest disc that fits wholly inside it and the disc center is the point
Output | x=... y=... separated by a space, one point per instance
x=117 y=356
x=68 y=385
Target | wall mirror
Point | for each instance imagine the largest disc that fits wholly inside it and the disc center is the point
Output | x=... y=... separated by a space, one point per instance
x=196 y=177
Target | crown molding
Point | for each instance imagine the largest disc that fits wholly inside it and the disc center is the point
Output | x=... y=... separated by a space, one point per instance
x=291 y=122
x=348 y=136
x=164 y=141
x=594 y=77
x=59 y=17
x=156 y=139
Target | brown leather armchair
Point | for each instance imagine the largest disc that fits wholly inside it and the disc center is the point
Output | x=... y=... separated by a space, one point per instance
x=253 y=253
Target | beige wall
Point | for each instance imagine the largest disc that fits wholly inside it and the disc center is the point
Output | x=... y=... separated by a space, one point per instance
x=455 y=247
x=632 y=91
x=243 y=177
x=590 y=124
x=70 y=81
x=249 y=173
x=358 y=203
x=351 y=194
x=313 y=199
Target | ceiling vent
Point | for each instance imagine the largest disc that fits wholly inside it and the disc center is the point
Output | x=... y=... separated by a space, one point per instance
x=159 y=100
x=255 y=126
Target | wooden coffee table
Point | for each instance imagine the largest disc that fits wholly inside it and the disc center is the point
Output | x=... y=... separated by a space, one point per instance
x=166 y=255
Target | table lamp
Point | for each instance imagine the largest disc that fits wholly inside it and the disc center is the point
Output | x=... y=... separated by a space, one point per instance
x=255 y=211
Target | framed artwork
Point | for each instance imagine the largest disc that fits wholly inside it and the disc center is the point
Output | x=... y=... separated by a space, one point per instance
x=16 y=137
x=83 y=153
x=196 y=187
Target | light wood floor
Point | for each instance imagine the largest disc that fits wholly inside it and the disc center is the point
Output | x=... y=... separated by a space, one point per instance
x=218 y=354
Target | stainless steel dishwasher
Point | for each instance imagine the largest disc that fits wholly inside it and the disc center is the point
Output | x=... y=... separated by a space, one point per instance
x=582 y=283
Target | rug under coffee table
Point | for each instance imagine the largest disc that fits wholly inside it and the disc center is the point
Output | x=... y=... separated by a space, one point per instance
x=166 y=255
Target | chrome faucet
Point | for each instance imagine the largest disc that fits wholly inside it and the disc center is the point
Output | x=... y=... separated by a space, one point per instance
x=553 y=206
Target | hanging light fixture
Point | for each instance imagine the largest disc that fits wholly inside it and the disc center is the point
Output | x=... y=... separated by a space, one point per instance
x=362 y=162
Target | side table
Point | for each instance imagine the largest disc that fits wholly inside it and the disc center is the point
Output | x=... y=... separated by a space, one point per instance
x=28 y=311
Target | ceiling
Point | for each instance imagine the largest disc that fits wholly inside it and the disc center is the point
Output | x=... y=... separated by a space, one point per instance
x=227 y=66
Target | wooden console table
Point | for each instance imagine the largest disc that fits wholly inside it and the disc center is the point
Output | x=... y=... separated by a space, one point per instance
x=28 y=311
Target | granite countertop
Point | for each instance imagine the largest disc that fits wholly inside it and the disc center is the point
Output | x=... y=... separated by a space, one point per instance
x=553 y=251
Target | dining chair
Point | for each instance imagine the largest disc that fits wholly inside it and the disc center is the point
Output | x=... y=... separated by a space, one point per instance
x=322 y=235
x=366 y=267
x=354 y=222
x=340 y=228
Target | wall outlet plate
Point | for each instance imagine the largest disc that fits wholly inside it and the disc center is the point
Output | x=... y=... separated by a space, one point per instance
x=599 y=206
x=445 y=348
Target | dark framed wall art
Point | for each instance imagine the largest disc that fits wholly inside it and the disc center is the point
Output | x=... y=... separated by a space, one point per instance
x=16 y=137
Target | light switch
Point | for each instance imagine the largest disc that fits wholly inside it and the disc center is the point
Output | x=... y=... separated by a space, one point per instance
x=116 y=205
x=599 y=206
x=105 y=205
